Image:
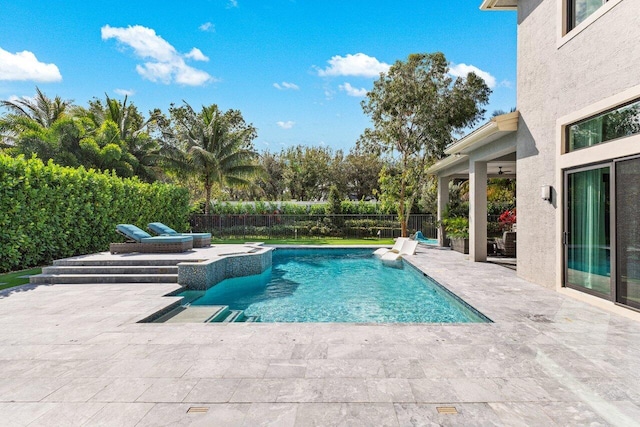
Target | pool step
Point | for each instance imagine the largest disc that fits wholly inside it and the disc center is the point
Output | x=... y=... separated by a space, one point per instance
x=195 y=314
x=204 y=314
x=234 y=316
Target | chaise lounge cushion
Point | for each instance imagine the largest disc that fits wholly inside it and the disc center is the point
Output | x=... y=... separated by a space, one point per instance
x=200 y=240
x=161 y=229
x=132 y=232
x=141 y=241
x=166 y=239
x=138 y=235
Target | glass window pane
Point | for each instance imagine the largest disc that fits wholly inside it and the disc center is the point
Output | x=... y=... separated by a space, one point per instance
x=628 y=231
x=583 y=8
x=618 y=123
x=588 y=245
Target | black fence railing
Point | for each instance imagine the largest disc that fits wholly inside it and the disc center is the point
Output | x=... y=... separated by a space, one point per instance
x=278 y=226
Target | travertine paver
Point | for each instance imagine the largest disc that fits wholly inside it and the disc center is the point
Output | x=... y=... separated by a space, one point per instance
x=73 y=355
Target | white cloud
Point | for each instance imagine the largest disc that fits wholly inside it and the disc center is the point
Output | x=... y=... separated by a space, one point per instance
x=232 y=4
x=14 y=98
x=166 y=64
x=208 y=27
x=125 y=92
x=354 y=65
x=24 y=66
x=461 y=70
x=286 y=125
x=506 y=83
x=352 y=91
x=286 y=85
x=197 y=55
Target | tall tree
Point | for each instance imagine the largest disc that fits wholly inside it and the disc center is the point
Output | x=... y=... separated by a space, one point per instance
x=362 y=170
x=308 y=172
x=214 y=146
x=272 y=183
x=416 y=107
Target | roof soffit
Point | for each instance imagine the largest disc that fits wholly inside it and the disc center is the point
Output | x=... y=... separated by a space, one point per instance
x=498 y=5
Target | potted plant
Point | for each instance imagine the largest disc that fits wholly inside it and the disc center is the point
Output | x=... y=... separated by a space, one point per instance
x=508 y=220
x=457 y=229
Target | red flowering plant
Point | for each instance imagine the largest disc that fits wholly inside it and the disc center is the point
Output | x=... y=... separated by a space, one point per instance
x=507 y=219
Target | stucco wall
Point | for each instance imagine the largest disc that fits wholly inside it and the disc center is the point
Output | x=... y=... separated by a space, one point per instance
x=555 y=78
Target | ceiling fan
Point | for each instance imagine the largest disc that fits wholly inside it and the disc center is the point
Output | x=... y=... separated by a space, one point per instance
x=501 y=172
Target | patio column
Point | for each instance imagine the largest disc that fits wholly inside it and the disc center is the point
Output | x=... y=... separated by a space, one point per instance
x=477 y=211
x=443 y=199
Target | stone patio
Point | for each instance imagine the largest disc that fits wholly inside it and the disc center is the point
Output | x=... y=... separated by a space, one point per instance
x=74 y=355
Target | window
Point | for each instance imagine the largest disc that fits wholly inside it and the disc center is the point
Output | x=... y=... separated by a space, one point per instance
x=579 y=10
x=617 y=123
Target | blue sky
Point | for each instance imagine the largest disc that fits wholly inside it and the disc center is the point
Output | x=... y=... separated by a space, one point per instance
x=297 y=69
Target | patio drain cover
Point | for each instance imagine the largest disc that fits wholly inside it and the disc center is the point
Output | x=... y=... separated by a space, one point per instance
x=197 y=410
x=446 y=410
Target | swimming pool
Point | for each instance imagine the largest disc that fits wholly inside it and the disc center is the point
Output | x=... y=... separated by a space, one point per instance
x=339 y=285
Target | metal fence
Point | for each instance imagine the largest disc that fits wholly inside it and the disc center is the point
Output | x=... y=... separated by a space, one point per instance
x=278 y=226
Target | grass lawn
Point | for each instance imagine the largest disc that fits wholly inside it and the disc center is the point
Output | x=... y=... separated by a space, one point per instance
x=9 y=280
x=327 y=241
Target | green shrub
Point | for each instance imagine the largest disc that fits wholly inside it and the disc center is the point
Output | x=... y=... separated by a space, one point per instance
x=456 y=227
x=50 y=211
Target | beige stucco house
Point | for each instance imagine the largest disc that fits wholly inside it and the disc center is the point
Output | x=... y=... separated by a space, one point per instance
x=574 y=143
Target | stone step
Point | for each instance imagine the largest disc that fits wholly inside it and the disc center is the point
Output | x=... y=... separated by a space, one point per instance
x=101 y=278
x=249 y=319
x=111 y=269
x=79 y=261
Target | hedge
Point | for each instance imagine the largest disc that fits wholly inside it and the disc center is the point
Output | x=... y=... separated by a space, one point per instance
x=257 y=208
x=49 y=211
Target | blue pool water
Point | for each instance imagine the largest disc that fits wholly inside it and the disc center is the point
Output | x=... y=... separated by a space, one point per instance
x=339 y=285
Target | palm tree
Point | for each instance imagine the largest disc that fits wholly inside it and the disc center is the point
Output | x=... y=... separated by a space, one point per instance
x=31 y=114
x=214 y=146
x=141 y=150
x=41 y=109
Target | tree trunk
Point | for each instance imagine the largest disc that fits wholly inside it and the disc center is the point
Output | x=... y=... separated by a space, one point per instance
x=401 y=212
x=207 y=203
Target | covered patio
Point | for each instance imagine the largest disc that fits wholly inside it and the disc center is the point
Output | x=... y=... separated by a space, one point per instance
x=487 y=152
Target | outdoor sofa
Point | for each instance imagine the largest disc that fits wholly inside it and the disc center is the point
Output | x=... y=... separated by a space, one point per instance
x=139 y=240
x=506 y=245
x=200 y=240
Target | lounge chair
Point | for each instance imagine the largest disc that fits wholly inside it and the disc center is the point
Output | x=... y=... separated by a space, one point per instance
x=395 y=249
x=408 y=248
x=139 y=240
x=200 y=240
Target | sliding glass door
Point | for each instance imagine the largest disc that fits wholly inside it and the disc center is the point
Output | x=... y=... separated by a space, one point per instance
x=628 y=232
x=588 y=230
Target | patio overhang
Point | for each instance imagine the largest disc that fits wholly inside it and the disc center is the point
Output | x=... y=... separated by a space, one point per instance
x=487 y=152
x=493 y=142
x=499 y=5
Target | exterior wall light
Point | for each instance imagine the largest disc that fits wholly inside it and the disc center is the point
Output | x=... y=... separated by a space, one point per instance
x=546 y=193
